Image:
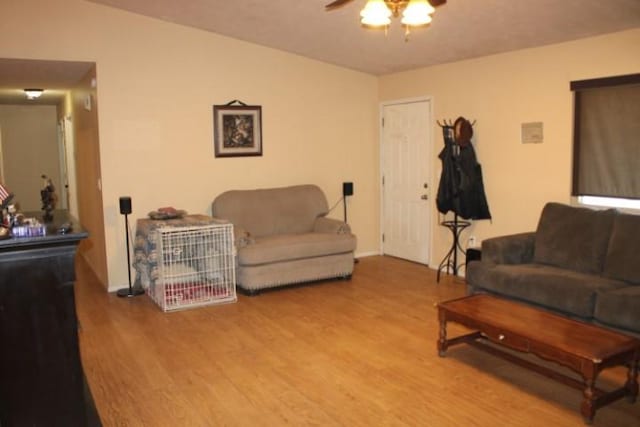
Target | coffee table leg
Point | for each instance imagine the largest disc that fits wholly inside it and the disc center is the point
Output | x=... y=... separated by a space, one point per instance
x=587 y=407
x=442 y=340
x=632 y=381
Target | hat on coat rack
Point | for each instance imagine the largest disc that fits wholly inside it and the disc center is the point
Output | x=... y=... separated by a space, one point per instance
x=463 y=131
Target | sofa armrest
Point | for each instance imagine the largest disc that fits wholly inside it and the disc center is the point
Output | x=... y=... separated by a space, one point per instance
x=330 y=225
x=510 y=249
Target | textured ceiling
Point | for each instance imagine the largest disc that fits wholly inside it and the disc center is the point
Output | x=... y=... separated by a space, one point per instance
x=460 y=29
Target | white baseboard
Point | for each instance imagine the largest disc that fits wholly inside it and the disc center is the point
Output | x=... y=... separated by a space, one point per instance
x=366 y=254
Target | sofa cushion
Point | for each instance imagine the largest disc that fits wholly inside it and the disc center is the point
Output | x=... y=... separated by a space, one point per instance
x=510 y=249
x=623 y=257
x=270 y=211
x=619 y=308
x=573 y=238
x=568 y=291
x=263 y=276
x=287 y=247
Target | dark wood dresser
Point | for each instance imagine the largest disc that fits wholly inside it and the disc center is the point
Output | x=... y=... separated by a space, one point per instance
x=41 y=377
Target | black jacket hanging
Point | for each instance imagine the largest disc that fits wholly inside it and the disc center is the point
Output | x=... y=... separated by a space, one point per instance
x=472 y=201
x=461 y=188
x=449 y=186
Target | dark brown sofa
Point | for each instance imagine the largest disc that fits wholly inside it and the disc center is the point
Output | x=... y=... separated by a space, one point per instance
x=580 y=262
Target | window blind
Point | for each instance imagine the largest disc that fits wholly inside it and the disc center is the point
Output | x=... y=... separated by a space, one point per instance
x=606 y=146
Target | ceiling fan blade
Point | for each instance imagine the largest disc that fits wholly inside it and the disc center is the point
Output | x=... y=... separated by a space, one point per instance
x=336 y=4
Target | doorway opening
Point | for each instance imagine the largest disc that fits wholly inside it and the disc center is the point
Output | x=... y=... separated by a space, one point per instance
x=74 y=143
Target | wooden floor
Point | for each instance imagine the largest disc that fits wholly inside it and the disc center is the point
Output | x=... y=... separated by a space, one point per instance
x=338 y=353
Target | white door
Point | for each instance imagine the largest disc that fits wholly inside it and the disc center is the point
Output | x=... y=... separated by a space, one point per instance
x=406 y=190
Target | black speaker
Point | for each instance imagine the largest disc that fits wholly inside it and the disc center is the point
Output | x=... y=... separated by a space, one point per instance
x=347 y=188
x=125 y=205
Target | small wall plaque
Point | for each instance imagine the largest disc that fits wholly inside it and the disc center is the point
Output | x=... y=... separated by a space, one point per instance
x=532 y=133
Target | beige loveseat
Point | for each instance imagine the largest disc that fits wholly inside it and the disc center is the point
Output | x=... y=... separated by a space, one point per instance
x=283 y=237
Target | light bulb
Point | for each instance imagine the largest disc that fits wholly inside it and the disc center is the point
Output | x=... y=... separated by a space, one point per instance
x=418 y=12
x=33 y=93
x=376 y=14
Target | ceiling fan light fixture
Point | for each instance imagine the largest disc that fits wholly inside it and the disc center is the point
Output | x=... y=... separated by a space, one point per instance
x=417 y=13
x=376 y=13
x=33 y=93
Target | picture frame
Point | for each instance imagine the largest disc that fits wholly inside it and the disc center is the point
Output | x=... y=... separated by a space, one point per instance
x=237 y=130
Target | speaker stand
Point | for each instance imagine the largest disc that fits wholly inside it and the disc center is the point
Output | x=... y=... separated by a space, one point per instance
x=344 y=203
x=130 y=291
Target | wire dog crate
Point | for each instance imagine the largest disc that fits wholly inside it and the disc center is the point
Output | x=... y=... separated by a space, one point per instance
x=193 y=266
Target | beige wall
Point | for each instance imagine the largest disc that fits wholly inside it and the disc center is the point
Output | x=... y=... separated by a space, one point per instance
x=157 y=83
x=501 y=92
x=30 y=149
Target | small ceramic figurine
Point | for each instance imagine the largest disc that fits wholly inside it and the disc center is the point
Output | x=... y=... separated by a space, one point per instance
x=49 y=198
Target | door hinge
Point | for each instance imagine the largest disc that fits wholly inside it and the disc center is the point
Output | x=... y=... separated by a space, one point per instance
x=383 y=180
x=382 y=237
x=383 y=122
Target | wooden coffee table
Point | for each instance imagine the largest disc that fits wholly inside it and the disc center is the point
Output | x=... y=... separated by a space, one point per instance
x=584 y=348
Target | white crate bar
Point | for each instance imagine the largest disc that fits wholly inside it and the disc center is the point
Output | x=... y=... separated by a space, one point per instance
x=194 y=266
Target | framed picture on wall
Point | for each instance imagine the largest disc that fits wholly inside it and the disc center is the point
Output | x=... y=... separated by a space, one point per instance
x=237 y=130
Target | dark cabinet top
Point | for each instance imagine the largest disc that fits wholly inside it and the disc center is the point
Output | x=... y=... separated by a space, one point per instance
x=56 y=234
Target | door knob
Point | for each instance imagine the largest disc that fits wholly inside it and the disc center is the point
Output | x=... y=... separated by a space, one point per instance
x=426 y=185
x=424 y=197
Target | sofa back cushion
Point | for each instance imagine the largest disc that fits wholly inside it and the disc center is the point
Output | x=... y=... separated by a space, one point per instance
x=623 y=257
x=266 y=212
x=573 y=238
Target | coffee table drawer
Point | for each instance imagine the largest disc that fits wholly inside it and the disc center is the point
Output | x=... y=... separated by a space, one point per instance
x=506 y=338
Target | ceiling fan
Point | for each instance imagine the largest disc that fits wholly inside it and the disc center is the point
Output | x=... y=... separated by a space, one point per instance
x=378 y=13
x=395 y=5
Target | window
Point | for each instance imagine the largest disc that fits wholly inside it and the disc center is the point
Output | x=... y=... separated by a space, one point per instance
x=606 y=144
x=612 y=202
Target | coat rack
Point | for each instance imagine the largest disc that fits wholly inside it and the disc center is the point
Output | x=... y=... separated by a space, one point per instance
x=461 y=177
x=450 y=260
x=450 y=123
